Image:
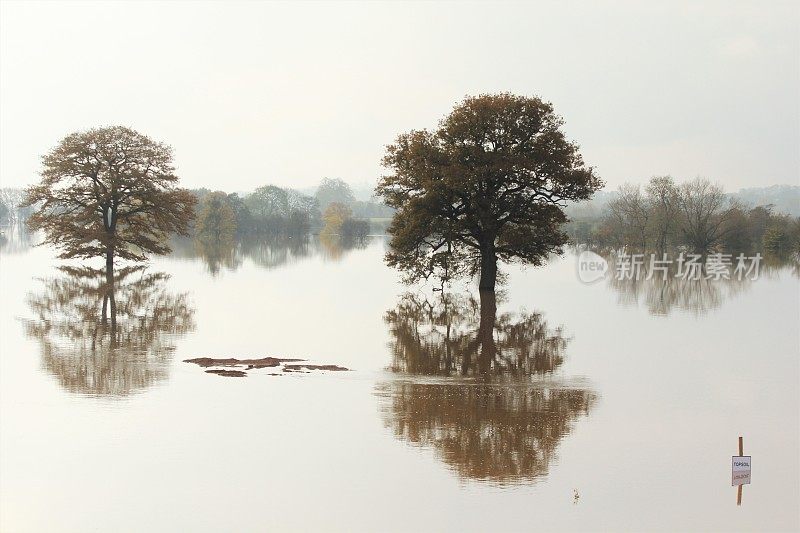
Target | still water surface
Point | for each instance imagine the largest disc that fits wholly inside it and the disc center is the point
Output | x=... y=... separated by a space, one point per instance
x=559 y=406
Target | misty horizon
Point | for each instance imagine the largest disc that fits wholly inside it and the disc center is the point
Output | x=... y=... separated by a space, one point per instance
x=254 y=93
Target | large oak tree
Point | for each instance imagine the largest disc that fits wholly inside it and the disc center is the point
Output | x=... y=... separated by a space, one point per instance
x=109 y=192
x=490 y=183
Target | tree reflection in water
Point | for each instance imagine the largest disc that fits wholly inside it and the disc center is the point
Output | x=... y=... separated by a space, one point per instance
x=108 y=335
x=274 y=252
x=267 y=252
x=490 y=415
x=16 y=239
x=218 y=253
x=457 y=334
x=665 y=292
x=335 y=247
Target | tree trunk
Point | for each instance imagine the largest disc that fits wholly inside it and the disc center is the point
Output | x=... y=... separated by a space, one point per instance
x=113 y=305
x=110 y=305
x=104 y=319
x=488 y=349
x=109 y=264
x=488 y=268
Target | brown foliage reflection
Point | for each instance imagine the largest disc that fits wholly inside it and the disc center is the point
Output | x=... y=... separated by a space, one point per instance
x=663 y=292
x=267 y=252
x=108 y=335
x=503 y=433
x=218 y=253
x=486 y=415
x=457 y=334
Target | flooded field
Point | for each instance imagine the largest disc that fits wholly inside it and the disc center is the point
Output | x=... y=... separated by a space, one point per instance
x=332 y=397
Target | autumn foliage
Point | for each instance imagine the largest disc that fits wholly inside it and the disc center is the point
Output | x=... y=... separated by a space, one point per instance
x=490 y=183
x=109 y=192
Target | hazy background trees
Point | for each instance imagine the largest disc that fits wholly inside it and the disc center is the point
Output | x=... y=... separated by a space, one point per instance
x=272 y=211
x=339 y=222
x=269 y=210
x=697 y=215
x=333 y=191
x=216 y=218
x=12 y=208
x=281 y=211
x=703 y=211
x=334 y=217
x=663 y=205
x=629 y=215
x=5 y=212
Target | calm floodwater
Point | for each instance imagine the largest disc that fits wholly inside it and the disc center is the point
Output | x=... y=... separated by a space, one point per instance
x=618 y=406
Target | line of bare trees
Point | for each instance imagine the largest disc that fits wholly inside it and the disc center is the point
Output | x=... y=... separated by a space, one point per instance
x=696 y=214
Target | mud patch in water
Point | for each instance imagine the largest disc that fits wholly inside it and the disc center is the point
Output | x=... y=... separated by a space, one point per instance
x=232 y=367
x=301 y=368
x=227 y=373
x=264 y=362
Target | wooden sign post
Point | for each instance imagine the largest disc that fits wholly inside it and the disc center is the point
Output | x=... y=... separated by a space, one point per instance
x=739 y=488
x=740 y=471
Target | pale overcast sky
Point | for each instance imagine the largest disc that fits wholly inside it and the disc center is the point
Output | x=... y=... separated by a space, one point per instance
x=253 y=92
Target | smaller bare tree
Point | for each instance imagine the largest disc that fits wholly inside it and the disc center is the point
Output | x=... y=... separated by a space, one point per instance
x=662 y=197
x=630 y=213
x=703 y=211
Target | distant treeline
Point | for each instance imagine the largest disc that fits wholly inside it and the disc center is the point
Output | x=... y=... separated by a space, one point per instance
x=277 y=211
x=267 y=211
x=696 y=214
